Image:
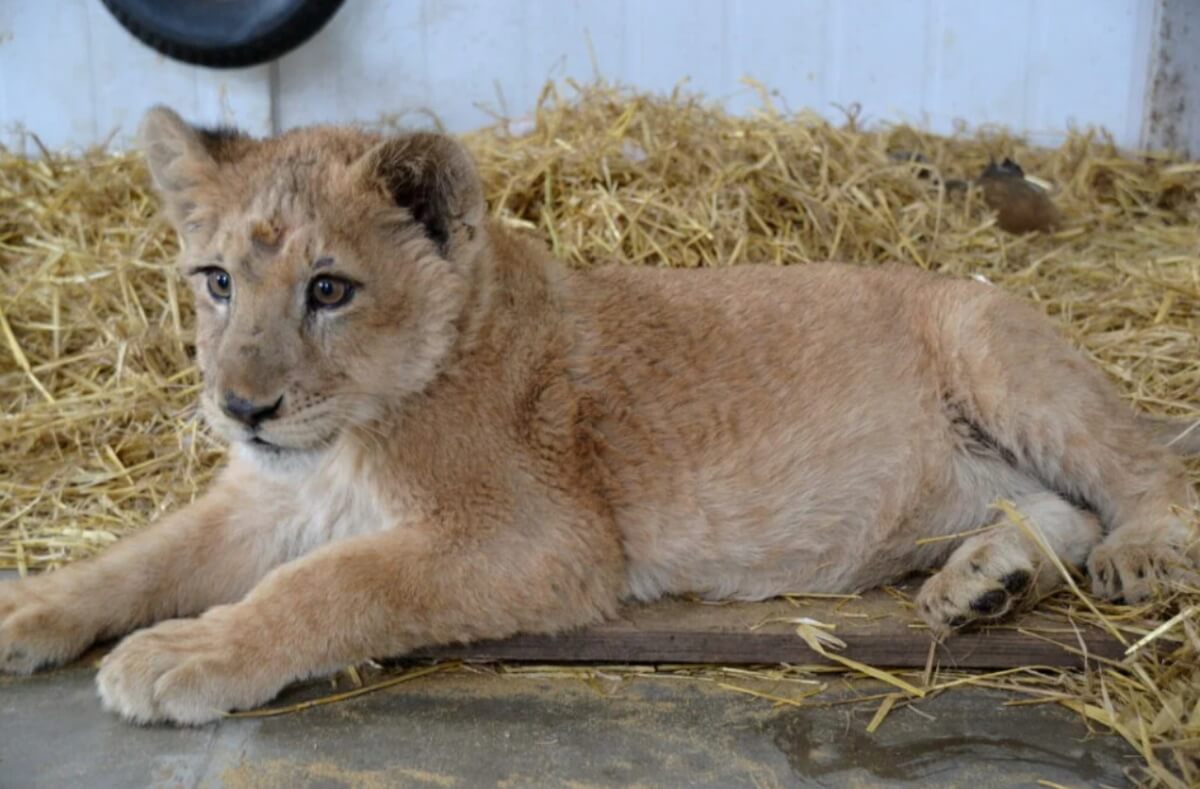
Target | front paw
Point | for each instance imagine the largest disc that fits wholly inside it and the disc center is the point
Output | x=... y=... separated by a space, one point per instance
x=36 y=630
x=185 y=671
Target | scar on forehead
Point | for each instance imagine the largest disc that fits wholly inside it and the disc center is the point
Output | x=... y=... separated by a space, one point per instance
x=267 y=235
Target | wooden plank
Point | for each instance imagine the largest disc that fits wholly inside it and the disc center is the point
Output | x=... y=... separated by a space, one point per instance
x=877 y=630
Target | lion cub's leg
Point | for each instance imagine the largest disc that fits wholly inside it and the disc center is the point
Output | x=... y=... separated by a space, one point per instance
x=990 y=573
x=210 y=552
x=1061 y=420
x=375 y=595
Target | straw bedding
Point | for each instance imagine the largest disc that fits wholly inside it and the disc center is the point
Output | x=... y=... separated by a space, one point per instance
x=98 y=434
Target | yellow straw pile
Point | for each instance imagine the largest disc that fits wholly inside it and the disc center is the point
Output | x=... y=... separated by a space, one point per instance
x=98 y=434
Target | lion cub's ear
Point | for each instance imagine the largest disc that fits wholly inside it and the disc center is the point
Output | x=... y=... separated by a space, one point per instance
x=433 y=177
x=184 y=160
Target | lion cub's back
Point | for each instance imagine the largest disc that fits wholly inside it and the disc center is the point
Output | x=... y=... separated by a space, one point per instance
x=756 y=334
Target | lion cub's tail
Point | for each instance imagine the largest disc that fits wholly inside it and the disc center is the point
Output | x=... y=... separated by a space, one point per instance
x=1181 y=436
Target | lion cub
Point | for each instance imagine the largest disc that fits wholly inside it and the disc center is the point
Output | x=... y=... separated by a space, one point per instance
x=440 y=434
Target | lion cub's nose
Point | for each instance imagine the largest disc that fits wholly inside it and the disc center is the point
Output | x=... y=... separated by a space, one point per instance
x=248 y=412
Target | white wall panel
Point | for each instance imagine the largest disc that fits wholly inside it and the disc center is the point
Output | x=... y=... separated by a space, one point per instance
x=883 y=62
x=68 y=73
x=1034 y=66
x=72 y=76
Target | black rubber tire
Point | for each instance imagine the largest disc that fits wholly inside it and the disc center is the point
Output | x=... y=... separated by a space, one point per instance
x=223 y=33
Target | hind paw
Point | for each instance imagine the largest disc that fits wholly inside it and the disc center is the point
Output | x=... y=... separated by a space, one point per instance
x=1133 y=568
x=965 y=592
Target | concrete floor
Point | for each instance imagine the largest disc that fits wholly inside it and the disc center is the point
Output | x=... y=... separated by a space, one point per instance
x=459 y=729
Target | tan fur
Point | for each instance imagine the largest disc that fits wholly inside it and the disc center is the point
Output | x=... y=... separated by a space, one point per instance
x=482 y=442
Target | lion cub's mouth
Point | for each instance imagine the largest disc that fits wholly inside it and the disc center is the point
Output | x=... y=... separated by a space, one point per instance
x=276 y=458
x=273 y=450
x=266 y=446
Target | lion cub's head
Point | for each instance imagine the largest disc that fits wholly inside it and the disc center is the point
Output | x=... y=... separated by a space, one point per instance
x=329 y=266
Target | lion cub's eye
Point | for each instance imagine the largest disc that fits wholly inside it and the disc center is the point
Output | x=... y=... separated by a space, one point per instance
x=220 y=284
x=328 y=292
